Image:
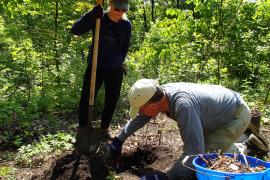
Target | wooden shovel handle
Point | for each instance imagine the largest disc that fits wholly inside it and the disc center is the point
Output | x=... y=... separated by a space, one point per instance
x=94 y=68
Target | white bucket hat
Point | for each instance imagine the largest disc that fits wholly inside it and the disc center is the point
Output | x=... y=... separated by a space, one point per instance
x=141 y=92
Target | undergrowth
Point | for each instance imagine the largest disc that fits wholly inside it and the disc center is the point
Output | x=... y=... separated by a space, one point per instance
x=37 y=153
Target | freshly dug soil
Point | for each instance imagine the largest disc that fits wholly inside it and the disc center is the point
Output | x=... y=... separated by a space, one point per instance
x=70 y=166
x=154 y=147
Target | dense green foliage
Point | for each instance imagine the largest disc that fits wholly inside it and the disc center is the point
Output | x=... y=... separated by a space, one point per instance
x=213 y=41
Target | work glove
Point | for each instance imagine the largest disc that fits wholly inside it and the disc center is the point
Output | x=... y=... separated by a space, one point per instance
x=97 y=12
x=116 y=147
x=157 y=175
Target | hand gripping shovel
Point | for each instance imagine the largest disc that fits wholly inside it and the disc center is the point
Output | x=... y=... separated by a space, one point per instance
x=88 y=138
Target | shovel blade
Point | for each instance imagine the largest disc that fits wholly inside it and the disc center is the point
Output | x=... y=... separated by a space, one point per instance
x=87 y=140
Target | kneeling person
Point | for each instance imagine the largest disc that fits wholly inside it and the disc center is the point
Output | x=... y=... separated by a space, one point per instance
x=210 y=117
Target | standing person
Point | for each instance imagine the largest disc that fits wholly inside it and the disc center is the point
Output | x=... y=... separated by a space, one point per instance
x=115 y=33
x=209 y=117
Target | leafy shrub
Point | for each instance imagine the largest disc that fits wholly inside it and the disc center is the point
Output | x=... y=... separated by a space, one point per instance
x=6 y=170
x=36 y=154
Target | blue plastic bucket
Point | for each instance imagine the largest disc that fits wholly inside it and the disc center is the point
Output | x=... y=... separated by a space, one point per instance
x=204 y=173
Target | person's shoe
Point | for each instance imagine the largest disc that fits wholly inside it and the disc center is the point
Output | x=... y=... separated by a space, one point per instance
x=257 y=145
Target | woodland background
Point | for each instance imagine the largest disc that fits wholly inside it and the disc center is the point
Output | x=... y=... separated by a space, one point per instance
x=223 y=42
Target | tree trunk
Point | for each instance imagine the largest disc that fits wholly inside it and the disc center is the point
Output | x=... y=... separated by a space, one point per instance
x=145 y=20
x=220 y=35
x=178 y=3
x=267 y=93
x=56 y=53
x=153 y=9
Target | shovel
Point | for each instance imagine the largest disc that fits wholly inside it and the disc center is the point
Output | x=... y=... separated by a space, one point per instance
x=88 y=138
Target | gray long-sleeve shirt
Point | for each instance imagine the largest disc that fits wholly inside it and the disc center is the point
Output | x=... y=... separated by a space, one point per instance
x=196 y=108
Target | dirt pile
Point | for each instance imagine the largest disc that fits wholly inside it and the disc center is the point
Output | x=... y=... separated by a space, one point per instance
x=70 y=166
x=147 y=151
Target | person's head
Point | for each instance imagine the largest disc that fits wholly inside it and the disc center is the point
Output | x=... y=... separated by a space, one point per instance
x=117 y=9
x=143 y=98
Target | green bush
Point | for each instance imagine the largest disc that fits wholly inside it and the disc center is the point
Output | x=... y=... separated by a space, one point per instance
x=37 y=153
x=6 y=170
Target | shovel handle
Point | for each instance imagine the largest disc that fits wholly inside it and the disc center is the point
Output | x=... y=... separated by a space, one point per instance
x=94 y=68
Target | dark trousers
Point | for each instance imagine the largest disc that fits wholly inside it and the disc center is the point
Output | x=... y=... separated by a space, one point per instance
x=112 y=79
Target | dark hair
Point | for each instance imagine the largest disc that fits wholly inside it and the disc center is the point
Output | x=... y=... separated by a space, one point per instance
x=157 y=96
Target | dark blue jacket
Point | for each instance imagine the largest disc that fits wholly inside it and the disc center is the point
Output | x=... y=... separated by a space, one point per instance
x=114 y=39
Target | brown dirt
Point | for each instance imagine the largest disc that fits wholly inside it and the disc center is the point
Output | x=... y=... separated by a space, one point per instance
x=153 y=148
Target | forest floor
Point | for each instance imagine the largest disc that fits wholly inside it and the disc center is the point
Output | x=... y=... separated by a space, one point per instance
x=153 y=148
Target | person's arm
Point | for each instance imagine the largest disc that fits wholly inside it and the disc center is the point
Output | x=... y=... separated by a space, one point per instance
x=126 y=42
x=132 y=126
x=87 y=21
x=192 y=135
